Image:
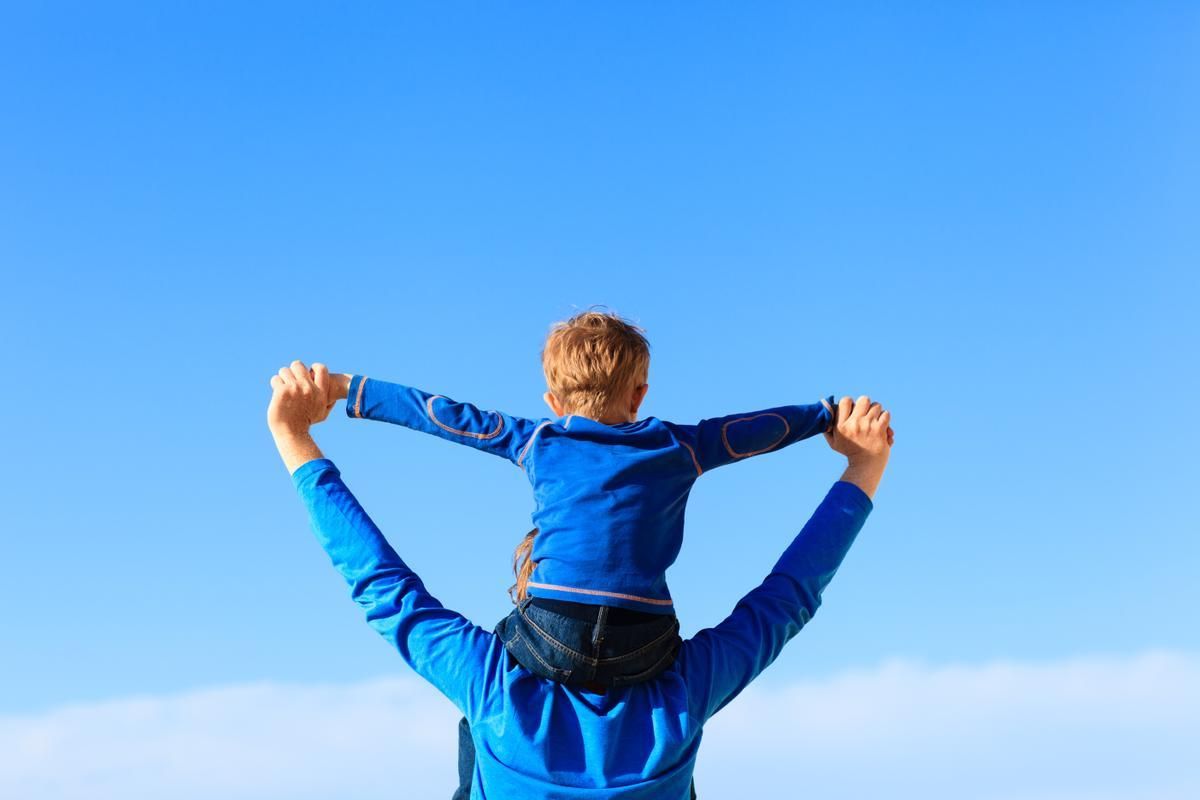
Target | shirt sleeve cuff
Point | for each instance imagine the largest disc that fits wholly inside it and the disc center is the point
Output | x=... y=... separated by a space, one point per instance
x=354 y=396
x=847 y=493
x=311 y=469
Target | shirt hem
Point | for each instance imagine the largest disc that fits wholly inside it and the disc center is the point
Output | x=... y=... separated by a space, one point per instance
x=597 y=598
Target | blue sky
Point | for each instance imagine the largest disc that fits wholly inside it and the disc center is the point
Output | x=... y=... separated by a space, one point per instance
x=984 y=216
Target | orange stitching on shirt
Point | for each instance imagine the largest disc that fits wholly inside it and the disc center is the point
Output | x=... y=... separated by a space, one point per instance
x=358 y=397
x=598 y=593
x=694 y=459
x=529 y=444
x=786 y=430
x=436 y=421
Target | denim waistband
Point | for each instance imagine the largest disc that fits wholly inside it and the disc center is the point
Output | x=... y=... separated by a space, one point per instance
x=590 y=613
x=591 y=650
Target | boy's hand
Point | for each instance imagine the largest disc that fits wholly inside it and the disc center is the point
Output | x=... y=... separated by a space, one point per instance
x=339 y=385
x=336 y=385
x=300 y=399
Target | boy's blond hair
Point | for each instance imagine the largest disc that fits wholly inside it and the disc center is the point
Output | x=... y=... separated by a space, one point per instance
x=593 y=360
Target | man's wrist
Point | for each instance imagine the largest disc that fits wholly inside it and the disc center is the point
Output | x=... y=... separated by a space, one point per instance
x=289 y=431
x=296 y=446
x=865 y=472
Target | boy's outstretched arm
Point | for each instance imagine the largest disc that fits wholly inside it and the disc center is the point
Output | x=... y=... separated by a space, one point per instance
x=722 y=440
x=491 y=431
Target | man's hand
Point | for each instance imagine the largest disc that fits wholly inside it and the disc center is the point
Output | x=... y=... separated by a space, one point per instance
x=862 y=429
x=299 y=400
x=862 y=434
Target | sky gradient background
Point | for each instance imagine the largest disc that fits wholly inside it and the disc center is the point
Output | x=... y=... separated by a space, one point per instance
x=984 y=217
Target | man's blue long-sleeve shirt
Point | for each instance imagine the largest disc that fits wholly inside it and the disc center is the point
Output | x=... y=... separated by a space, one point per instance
x=609 y=500
x=542 y=740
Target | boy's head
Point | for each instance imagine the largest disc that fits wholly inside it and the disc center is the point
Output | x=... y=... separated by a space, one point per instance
x=596 y=366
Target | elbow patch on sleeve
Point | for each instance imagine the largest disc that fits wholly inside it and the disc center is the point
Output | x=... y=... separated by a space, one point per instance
x=750 y=436
x=463 y=419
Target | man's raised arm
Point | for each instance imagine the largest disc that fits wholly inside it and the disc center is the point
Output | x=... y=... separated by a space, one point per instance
x=440 y=645
x=491 y=431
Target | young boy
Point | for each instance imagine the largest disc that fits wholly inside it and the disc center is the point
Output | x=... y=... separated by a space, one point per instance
x=609 y=495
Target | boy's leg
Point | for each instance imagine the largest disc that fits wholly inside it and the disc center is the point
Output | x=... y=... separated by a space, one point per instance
x=466 y=761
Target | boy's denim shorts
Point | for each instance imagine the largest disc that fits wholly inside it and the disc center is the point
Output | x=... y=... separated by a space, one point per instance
x=575 y=651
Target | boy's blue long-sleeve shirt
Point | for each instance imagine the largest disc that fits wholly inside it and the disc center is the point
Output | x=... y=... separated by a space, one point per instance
x=609 y=500
x=541 y=740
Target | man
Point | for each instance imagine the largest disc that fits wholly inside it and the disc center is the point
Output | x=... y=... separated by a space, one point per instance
x=539 y=739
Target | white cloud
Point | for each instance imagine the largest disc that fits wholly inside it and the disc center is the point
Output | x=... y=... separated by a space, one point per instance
x=256 y=741
x=1091 y=728
x=1086 y=728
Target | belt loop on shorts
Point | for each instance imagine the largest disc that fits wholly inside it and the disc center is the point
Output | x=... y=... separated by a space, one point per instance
x=598 y=631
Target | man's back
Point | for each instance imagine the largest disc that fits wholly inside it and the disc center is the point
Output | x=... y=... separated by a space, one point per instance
x=549 y=740
x=538 y=738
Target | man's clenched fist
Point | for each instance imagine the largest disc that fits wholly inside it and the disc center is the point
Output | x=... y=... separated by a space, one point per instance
x=301 y=398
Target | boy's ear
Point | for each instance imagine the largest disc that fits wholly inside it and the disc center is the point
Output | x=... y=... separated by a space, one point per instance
x=635 y=400
x=555 y=406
